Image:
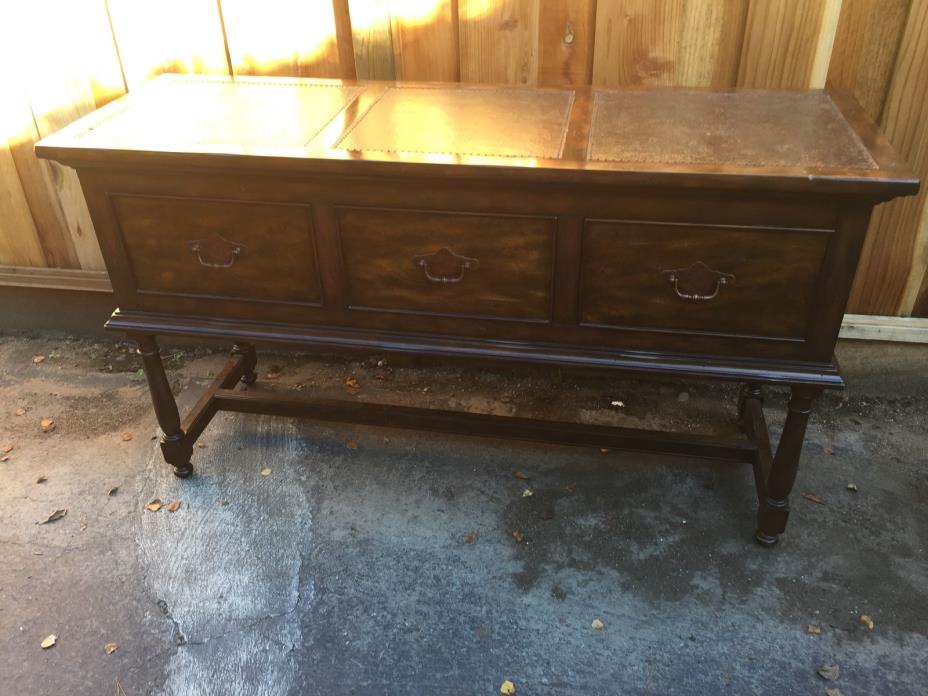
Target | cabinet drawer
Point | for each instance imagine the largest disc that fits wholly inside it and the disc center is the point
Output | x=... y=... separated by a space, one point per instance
x=678 y=277
x=445 y=263
x=219 y=249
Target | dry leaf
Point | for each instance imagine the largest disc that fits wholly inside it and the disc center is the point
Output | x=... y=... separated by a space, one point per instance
x=507 y=688
x=110 y=648
x=527 y=493
x=829 y=672
x=828 y=450
x=852 y=487
x=518 y=536
x=833 y=692
x=126 y=437
x=20 y=411
x=49 y=642
x=814 y=498
x=36 y=359
x=47 y=425
x=604 y=450
x=814 y=629
x=42 y=479
x=867 y=621
x=113 y=491
x=470 y=538
x=154 y=505
x=7 y=447
x=618 y=404
x=55 y=516
x=4 y=458
x=351 y=444
x=521 y=475
x=266 y=471
x=201 y=445
x=174 y=507
x=597 y=624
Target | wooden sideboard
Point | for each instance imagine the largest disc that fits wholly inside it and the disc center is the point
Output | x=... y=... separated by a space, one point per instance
x=698 y=234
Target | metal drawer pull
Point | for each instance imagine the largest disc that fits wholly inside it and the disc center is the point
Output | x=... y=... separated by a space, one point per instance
x=215 y=251
x=699 y=281
x=444 y=266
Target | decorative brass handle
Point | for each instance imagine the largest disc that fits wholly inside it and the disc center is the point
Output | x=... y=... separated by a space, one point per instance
x=698 y=282
x=444 y=266
x=215 y=251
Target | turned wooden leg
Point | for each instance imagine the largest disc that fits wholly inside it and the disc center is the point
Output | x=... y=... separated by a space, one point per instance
x=751 y=390
x=249 y=377
x=174 y=445
x=773 y=512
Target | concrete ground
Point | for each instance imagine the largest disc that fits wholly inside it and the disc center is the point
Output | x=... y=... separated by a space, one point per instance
x=346 y=568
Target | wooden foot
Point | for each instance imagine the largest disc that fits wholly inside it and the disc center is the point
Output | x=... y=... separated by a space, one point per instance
x=175 y=446
x=773 y=510
x=247 y=350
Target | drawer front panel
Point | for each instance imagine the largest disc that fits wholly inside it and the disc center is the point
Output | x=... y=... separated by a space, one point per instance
x=700 y=278
x=220 y=249
x=449 y=264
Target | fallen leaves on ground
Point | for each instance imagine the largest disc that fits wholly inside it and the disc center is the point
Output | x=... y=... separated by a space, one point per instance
x=273 y=372
x=597 y=624
x=47 y=425
x=852 y=487
x=126 y=437
x=5 y=458
x=113 y=491
x=174 y=507
x=266 y=471
x=352 y=384
x=7 y=447
x=867 y=621
x=814 y=629
x=49 y=641
x=828 y=450
x=831 y=691
x=42 y=479
x=55 y=516
x=20 y=411
x=507 y=688
x=351 y=444
x=470 y=538
x=521 y=475
x=518 y=536
x=154 y=505
x=829 y=672
x=814 y=498
x=110 y=648
x=36 y=359
x=617 y=404
x=527 y=493
x=201 y=445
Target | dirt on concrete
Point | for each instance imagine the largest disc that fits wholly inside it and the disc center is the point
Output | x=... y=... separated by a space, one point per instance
x=374 y=561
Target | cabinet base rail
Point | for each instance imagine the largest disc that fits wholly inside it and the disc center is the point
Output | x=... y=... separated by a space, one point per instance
x=774 y=472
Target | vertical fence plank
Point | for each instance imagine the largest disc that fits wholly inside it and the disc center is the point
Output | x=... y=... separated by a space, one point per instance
x=372 y=38
x=282 y=37
x=894 y=257
x=499 y=41
x=865 y=49
x=566 y=30
x=781 y=43
x=425 y=39
x=667 y=42
x=179 y=36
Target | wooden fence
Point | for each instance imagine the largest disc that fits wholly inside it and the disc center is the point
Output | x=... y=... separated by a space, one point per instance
x=63 y=58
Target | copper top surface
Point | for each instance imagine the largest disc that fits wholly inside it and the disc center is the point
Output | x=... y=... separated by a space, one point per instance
x=745 y=128
x=214 y=114
x=497 y=121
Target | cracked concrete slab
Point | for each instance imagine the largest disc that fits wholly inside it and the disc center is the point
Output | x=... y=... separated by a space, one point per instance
x=347 y=570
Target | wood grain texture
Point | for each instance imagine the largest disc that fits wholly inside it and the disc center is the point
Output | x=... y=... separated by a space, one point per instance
x=865 y=49
x=281 y=37
x=781 y=43
x=894 y=259
x=425 y=40
x=566 y=30
x=668 y=42
x=372 y=39
x=499 y=41
x=19 y=240
x=177 y=36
